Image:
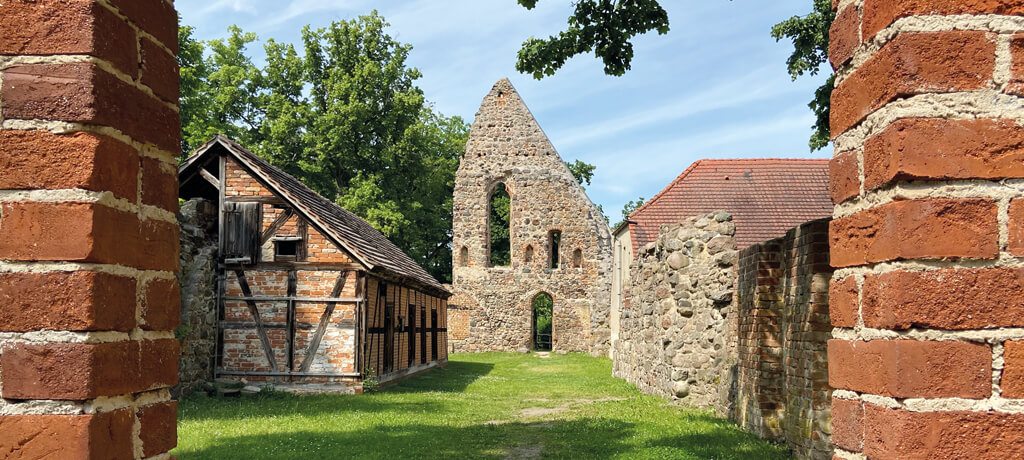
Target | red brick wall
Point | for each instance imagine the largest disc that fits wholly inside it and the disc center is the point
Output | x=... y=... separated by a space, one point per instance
x=927 y=235
x=782 y=384
x=88 y=236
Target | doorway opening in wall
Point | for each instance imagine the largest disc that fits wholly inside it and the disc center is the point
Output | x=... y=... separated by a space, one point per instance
x=543 y=306
x=498 y=223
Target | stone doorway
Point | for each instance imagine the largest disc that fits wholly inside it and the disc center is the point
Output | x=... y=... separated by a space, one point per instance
x=542 y=307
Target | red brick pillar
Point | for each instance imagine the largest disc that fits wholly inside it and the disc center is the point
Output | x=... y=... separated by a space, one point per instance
x=928 y=296
x=88 y=236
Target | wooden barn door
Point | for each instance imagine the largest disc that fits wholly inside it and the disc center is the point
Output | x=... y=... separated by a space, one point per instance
x=389 y=336
x=410 y=318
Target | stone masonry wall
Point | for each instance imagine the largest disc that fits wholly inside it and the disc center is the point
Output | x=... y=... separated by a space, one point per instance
x=89 y=139
x=491 y=309
x=677 y=330
x=198 y=278
x=784 y=329
x=927 y=298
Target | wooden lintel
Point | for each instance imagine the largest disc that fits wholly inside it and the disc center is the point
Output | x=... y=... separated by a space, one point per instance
x=312 y=266
x=298 y=325
x=287 y=374
x=295 y=299
x=255 y=199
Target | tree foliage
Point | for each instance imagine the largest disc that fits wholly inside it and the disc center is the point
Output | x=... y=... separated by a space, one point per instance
x=605 y=27
x=628 y=209
x=344 y=115
x=810 y=36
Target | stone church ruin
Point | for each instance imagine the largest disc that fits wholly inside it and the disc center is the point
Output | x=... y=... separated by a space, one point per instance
x=558 y=242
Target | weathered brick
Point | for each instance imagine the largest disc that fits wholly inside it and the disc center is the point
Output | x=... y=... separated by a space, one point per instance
x=48 y=27
x=844 y=304
x=86 y=232
x=911 y=369
x=160 y=71
x=940 y=149
x=161 y=305
x=848 y=424
x=917 y=229
x=1016 y=84
x=844 y=176
x=879 y=14
x=896 y=433
x=156 y=17
x=844 y=36
x=159 y=184
x=43 y=160
x=74 y=301
x=1012 y=384
x=158 y=246
x=945 y=299
x=107 y=435
x=1015 y=244
x=77 y=371
x=84 y=93
x=158 y=428
x=913 y=63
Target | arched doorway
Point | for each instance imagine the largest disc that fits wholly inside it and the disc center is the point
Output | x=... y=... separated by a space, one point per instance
x=543 y=309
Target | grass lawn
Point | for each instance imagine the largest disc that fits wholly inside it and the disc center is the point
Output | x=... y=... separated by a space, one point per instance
x=490 y=405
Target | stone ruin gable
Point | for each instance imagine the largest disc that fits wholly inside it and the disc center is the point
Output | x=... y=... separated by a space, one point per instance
x=677 y=336
x=491 y=309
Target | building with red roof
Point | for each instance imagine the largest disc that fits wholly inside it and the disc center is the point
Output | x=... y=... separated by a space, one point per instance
x=766 y=198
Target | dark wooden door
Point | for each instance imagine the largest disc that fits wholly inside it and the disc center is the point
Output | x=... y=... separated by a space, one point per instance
x=433 y=335
x=389 y=337
x=410 y=318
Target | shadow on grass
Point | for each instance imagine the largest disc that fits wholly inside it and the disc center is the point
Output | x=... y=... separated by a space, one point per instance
x=515 y=440
x=453 y=378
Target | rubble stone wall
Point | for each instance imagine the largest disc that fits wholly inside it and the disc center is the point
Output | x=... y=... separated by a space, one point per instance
x=198 y=278
x=492 y=306
x=677 y=330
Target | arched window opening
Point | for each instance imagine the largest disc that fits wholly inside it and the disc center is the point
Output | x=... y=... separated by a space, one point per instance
x=464 y=257
x=554 y=244
x=543 y=315
x=500 y=244
x=577 y=258
x=528 y=256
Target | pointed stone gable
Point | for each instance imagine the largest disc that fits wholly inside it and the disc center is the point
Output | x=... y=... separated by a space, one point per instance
x=493 y=304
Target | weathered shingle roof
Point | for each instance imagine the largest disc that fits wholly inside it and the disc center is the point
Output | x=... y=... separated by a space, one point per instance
x=766 y=197
x=346 y=229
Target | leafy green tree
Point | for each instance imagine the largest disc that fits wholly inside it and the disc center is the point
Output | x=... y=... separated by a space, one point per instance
x=607 y=26
x=345 y=116
x=810 y=35
x=195 y=103
x=628 y=209
x=583 y=172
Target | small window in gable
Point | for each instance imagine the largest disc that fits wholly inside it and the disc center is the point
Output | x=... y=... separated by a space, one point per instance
x=286 y=248
x=554 y=244
x=577 y=258
x=528 y=256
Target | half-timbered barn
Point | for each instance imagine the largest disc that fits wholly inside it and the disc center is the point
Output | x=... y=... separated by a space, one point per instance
x=309 y=293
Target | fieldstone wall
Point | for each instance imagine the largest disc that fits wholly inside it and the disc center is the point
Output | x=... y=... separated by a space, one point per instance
x=784 y=329
x=677 y=331
x=198 y=330
x=491 y=309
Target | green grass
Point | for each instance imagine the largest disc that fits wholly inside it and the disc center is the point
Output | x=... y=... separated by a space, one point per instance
x=490 y=405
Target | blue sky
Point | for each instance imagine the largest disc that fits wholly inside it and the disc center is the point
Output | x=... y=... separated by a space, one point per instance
x=715 y=87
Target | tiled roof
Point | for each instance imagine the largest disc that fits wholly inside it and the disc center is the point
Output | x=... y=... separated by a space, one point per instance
x=766 y=197
x=346 y=229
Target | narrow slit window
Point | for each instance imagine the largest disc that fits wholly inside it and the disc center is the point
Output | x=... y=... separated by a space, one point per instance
x=554 y=243
x=528 y=256
x=499 y=224
x=577 y=258
x=464 y=257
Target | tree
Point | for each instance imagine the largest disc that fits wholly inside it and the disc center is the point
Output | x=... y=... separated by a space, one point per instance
x=583 y=172
x=345 y=116
x=810 y=36
x=628 y=209
x=607 y=26
x=602 y=26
